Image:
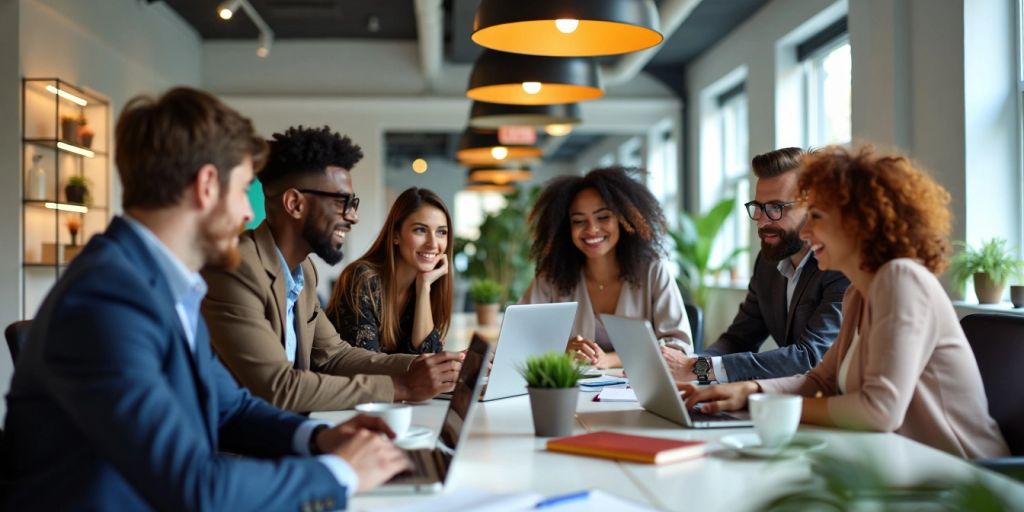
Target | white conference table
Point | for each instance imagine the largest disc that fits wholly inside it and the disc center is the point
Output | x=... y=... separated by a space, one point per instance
x=502 y=455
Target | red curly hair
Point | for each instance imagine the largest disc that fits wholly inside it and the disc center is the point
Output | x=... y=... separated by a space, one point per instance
x=893 y=208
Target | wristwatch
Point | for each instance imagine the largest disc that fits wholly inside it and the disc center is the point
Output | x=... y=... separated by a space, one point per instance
x=313 y=448
x=701 y=369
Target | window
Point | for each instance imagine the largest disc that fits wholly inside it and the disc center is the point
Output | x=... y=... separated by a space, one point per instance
x=663 y=174
x=825 y=58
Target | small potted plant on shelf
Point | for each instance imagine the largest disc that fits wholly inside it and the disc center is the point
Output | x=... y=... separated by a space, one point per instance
x=486 y=293
x=551 y=382
x=76 y=189
x=69 y=126
x=85 y=134
x=991 y=267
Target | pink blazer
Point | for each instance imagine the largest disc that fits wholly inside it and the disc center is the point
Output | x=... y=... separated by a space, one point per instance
x=912 y=373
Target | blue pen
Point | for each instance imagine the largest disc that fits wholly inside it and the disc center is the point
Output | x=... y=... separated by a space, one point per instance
x=562 y=499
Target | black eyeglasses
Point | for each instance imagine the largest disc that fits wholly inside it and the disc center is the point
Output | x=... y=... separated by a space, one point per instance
x=772 y=210
x=348 y=201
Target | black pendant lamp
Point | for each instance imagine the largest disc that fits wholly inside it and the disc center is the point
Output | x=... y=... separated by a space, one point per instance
x=567 y=28
x=498 y=175
x=483 y=148
x=514 y=79
x=496 y=115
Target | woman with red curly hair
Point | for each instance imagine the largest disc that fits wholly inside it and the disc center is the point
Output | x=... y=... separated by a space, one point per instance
x=901 y=362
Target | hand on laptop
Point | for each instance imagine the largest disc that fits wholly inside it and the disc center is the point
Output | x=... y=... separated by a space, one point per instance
x=428 y=375
x=588 y=351
x=681 y=365
x=328 y=440
x=718 y=398
x=373 y=457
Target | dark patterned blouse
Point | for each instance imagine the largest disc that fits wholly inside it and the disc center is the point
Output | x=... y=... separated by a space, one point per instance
x=362 y=329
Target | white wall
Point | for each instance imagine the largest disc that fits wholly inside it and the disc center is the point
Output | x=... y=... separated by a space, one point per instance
x=119 y=48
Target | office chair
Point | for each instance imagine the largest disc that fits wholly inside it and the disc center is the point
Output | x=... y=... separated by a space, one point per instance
x=997 y=341
x=696 y=317
x=16 y=334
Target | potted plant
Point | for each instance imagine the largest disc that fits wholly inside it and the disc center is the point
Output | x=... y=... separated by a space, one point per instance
x=85 y=134
x=76 y=189
x=693 y=242
x=486 y=294
x=69 y=125
x=551 y=382
x=991 y=267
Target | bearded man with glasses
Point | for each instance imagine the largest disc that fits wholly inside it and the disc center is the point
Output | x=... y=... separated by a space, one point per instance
x=265 y=319
x=788 y=298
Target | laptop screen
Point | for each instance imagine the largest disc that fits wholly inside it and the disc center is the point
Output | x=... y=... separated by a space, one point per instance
x=467 y=388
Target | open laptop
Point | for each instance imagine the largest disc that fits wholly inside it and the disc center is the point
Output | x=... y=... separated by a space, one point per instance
x=648 y=373
x=432 y=465
x=526 y=330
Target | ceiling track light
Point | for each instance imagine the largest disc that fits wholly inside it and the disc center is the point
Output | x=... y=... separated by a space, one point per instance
x=227 y=9
x=514 y=79
x=495 y=115
x=567 y=28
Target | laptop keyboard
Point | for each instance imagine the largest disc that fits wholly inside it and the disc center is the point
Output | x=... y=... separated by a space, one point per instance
x=422 y=466
x=696 y=415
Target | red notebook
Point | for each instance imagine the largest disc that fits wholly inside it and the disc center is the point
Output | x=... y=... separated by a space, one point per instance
x=612 y=445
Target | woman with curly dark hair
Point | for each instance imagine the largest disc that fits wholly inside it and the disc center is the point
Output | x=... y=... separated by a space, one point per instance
x=901 y=363
x=597 y=241
x=397 y=298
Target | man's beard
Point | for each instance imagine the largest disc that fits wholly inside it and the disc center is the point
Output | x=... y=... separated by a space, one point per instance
x=213 y=234
x=789 y=243
x=321 y=242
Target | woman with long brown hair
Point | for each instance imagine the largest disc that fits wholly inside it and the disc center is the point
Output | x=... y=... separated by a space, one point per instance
x=397 y=298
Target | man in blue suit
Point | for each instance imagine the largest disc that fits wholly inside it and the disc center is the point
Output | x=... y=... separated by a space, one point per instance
x=117 y=402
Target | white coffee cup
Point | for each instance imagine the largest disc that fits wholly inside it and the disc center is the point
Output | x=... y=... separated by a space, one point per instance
x=776 y=417
x=397 y=416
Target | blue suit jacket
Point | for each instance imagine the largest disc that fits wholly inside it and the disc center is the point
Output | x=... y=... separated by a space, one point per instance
x=109 y=410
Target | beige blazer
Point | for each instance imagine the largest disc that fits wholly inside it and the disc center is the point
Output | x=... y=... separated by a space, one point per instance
x=912 y=373
x=656 y=299
x=245 y=311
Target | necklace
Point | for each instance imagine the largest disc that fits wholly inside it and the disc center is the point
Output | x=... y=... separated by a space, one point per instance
x=600 y=284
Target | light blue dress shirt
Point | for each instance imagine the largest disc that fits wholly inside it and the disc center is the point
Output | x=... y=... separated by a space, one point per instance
x=294 y=281
x=188 y=289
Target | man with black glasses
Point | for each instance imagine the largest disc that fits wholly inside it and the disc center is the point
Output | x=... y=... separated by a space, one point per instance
x=265 y=318
x=789 y=298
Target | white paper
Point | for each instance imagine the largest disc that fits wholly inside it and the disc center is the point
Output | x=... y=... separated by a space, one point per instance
x=617 y=395
x=476 y=500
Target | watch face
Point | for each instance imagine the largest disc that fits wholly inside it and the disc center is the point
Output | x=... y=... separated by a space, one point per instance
x=702 y=366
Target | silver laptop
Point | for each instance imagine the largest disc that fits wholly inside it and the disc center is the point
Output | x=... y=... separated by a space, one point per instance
x=648 y=373
x=432 y=465
x=526 y=330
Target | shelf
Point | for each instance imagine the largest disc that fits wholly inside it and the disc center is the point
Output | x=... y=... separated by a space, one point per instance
x=47 y=266
x=64 y=146
x=66 y=207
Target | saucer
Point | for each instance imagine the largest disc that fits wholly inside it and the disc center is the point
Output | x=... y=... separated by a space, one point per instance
x=416 y=435
x=750 y=445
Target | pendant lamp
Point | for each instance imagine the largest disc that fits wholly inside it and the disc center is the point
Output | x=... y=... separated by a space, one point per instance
x=483 y=148
x=498 y=175
x=490 y=187
x=514 y=79
x=567 y=28
x=496 y=115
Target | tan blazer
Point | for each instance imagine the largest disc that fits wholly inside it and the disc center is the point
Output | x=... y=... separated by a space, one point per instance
x=245 y=311
x=656 y=299
x=912 y=373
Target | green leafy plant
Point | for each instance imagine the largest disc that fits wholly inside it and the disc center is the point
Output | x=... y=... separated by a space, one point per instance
x=485 y=291
x=994 y=258
x=693 y=241
x=552 y=370
x=843 y=484
x=80 y=183
x=502 y=251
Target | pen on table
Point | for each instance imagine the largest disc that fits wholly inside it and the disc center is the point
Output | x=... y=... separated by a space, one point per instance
x=564 y=498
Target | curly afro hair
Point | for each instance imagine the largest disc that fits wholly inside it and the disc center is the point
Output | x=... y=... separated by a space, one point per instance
x=892 y=208
x=640 y=242
x=301 y=150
